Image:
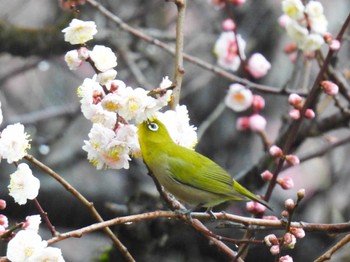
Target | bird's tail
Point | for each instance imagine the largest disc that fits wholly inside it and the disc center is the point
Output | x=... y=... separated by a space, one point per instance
x=245 y=192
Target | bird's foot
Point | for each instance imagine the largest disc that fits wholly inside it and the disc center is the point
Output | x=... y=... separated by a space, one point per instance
x=210 y=212
x=184 y=212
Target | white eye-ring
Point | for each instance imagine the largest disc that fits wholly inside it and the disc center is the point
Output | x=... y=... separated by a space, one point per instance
x=153 y=127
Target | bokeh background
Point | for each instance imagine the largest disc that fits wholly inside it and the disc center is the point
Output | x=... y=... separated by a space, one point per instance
x=38 y=90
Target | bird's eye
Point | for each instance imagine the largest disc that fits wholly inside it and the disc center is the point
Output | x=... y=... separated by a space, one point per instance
x=153 y=126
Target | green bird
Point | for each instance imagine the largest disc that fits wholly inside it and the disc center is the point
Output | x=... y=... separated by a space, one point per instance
x=188 y=175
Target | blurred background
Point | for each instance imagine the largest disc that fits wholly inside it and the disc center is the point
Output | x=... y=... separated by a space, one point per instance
x=38 y=90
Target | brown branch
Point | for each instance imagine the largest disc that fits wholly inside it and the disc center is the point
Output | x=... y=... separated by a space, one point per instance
x=195 y=223
x=45 y=217
x=179 y=67
x=89 y=205
x=245 y=221
x=297 y=124
x=328 y=255
x=195 y=60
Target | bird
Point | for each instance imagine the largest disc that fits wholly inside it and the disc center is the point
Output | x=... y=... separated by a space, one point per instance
x=188 y=175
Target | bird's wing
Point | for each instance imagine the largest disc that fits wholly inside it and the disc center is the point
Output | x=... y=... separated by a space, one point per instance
x=198 y=171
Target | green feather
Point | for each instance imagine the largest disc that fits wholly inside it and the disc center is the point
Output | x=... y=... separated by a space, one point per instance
x=190 y=176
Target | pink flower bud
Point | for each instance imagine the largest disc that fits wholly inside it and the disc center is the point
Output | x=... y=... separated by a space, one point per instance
x=4 y=221
x=329 y=88
x=275 y=249
x=271 y=240
x=334 y=45
x=273 y=218
x=328 y=37
x=242 y=123
x=292 y=160
x=309 y=113
x=238 y=2
x=2 y=204
x=297 y=232
x=284 y=20
x=266 y=175
x=295 y=100
x=289 y=240
x=257 y=123
x=255 y=207
x=258 y=102
x=228 y=25
x=258 y=66
x=290 y=48
x=275 y=151
x=83 y=53
x=286 y=182
x=289 y=204
x=294 y=114
x=286 y=258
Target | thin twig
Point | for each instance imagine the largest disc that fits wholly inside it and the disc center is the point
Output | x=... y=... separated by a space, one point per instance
x=179 y=67
x=45 y=217
x=246 y=221
x=195 y=60
x=85 y=202
x=210 y=119
x=328 y=255
x=297 y=124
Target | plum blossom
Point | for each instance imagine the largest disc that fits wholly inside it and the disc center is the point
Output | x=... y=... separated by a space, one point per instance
x=23 y=185
x=24 y=245
x=14 y=142
x=238 y=98
x=103 y=58
x=258 y=66
x=226 y=50
x=79 y=32
x=177 y=124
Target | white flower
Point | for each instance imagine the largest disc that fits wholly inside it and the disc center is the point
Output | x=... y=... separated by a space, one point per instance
x=103 y=58
x=23 y=185
x=318 y=24
x=312 y=42
x=297 y=32
x=313 y=9
x=293 y=8
x=105 y=148
x=178 y=126
x=226 y=50
x=165 y=82
x=1 y=116
x=72 y=59
x=24 y=245
x=238 y=98
x=258 y=65
x=106 y=76
x=48 y=254
x=14 y=143
x=32 y=223
x=79 y=32
x=91 y=94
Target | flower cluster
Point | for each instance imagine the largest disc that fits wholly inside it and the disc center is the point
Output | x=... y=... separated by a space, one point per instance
x=306 y=25
x=115 y=108
x=229 y=50
x=289 y=239
x=27 y=244
x=285 y=182
x=297 y=102
x=239 y=99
